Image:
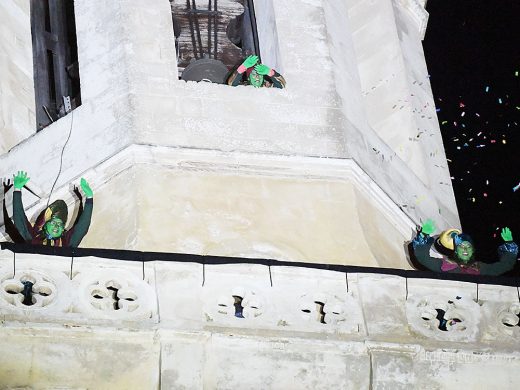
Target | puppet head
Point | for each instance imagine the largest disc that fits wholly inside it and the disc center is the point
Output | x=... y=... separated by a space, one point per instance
x=464 y=248
x=52 y=220
x=255 y=79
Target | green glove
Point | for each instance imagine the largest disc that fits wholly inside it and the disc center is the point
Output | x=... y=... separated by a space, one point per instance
x=250 y=61
x=506 y=234
x=428 y=227
x=20 y=180
x=86 y=188
x=262 y=69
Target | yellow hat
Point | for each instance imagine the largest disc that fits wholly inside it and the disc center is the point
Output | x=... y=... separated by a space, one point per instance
x=446 y=239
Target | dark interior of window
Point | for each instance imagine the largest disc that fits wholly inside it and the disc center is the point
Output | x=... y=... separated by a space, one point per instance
x=55 y=60
x=212 y=37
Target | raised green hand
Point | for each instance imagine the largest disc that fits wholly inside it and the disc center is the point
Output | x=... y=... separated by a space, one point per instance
x=506 y=234
x=428 y=227
x=262 y=69
x=86 y=188
x=20 y=180
x=250 y=61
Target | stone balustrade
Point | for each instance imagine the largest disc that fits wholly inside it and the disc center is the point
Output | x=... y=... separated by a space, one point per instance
x=192 y=316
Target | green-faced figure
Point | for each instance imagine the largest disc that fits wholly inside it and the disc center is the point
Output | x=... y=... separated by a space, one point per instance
x=49 y=228
x=54 y=228
x=258 y=75
x=256 y=79
x=464 y=252
x=458 y=252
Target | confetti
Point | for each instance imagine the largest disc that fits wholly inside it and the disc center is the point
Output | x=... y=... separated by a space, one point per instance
x=479 y=127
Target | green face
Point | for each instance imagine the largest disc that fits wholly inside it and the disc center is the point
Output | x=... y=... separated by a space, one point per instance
x=255 y=79
x=54 y=228
x=464 y=251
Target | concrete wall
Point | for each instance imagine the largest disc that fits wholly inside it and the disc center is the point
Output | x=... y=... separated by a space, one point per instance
x=17 y=120
x=175 y=327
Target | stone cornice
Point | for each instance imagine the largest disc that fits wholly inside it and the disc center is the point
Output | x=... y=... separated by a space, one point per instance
x=419 y=14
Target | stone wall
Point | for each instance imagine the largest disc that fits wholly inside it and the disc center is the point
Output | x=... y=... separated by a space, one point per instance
x=101 y=323
x=295 y=209
x=131 y=96
x=17 y=120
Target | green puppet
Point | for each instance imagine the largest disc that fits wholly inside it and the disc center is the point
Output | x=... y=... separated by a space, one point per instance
x=258 y=75
x=459 y=252
x=49 y=228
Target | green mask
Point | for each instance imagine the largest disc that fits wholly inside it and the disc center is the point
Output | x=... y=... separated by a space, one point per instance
x=464 y=252
x=54 y=228
x=255 y=79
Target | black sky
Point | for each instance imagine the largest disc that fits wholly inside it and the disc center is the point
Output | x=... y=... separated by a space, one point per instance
x=472 y=50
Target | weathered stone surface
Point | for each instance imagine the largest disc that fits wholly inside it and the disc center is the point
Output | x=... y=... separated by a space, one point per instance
x=131 y=95
x=177 y=325
x=336 y=168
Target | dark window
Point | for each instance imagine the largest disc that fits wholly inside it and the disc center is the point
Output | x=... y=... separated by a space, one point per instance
x=213 y=36
x=55 y=58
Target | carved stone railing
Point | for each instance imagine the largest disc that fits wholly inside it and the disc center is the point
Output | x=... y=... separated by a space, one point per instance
x=169 y=320
x=198 y=292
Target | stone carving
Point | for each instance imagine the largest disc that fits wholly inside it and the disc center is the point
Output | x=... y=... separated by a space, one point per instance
x=112 y=295
x=28 y=290
x=443 y=318
x=509 y=319
x=116 y=296
x=322 y=309
x=238 y=303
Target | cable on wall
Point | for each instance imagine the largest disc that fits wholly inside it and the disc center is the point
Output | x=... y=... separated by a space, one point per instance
x=61 y=157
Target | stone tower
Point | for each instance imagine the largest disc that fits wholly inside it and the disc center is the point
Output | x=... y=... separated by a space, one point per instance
x=337 y=169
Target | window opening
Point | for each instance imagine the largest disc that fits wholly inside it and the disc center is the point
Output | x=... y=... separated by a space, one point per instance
x=212 y=37
x=239 y=309
x=28 y=293
x=55 y=60
x=320 y=312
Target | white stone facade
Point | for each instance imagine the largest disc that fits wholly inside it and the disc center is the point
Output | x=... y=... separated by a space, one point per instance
x=336 y=168
x=174 y=327
x=328 y=116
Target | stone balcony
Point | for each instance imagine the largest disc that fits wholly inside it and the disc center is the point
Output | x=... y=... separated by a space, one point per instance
x=123 y=319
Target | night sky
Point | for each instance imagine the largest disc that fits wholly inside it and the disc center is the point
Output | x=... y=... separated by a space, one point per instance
x=472 y=50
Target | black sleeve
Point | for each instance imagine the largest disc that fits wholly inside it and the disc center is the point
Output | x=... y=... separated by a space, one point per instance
x=80 y=229
x=277 y=80
x=234 y=78
x=20 y=219
x=507 y=253
x=9 y=226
